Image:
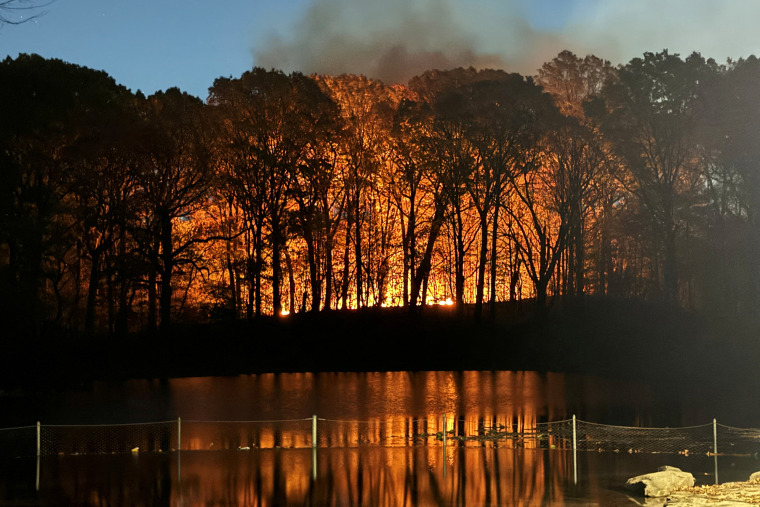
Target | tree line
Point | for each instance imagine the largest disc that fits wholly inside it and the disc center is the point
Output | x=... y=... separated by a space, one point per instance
x=286 y=193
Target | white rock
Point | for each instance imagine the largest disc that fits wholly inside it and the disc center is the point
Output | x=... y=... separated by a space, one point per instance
x=662 y=482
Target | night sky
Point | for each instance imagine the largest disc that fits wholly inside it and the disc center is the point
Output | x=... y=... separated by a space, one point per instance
x=153 y=45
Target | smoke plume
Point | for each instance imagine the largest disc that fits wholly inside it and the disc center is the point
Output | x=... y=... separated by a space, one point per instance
x=394 y=40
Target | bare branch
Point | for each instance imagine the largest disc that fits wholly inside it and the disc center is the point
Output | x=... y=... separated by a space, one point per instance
x=9 y=8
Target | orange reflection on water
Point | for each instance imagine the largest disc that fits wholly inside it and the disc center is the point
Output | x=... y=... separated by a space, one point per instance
x=389 y=408
x=379 y=437
x=373 y=476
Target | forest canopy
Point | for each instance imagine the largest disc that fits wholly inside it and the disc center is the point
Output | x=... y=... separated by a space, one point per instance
x=286 y=193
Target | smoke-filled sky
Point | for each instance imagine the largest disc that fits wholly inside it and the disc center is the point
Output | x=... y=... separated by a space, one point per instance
x=155 y=44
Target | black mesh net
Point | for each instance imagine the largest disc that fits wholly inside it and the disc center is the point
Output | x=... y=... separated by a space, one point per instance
x=684 y=440
x=738 y=441
x=108 y=439
x=403 y=431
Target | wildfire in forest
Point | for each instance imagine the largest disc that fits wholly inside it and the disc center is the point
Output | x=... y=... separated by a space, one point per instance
x=290 y=193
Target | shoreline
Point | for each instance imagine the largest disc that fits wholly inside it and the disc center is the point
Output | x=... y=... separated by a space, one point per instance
x=616 y=339
x=725 y=494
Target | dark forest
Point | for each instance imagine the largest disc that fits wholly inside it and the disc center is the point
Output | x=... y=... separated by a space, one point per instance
x=468 y=190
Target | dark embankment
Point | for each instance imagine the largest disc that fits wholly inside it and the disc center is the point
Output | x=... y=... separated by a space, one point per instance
x=623 y=339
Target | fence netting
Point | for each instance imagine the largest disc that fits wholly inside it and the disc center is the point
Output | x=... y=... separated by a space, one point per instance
x=107 y=439
x=167 y=436
x=738 y=441
x=683 y=440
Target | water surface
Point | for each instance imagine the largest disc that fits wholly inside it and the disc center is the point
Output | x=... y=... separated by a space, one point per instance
x=367 y=451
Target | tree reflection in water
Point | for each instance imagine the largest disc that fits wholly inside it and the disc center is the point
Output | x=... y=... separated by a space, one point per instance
x=368 y=475
x=367 y=453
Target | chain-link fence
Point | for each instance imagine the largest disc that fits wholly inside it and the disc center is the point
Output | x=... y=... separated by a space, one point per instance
x=570 y=434
x=107 y=439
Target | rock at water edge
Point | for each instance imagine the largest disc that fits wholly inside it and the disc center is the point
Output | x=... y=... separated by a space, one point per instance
x=662 y=482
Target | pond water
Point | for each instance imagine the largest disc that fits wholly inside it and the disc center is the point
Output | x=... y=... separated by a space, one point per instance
x=365 y=454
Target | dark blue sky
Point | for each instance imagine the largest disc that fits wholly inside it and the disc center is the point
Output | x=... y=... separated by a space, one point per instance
x=154 y=44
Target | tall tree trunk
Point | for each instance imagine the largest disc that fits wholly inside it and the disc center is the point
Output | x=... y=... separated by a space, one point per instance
x=580 y=253
x=412 y=246
x=257 y=268
x=122 y=320
x=167 y=268
x=459 y=259
x=423 y=272
x=152 y=300
x=670 y=274
x=311 y=258
x=483 y=257
x=346 y=269
x=291 y=282
x=328 y=277
x=358 y=253
x=514 y=276
x=92 y=294
x=276 y=269
x=233 y=287
x=494 y=241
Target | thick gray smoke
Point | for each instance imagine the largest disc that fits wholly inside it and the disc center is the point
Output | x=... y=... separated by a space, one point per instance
x=394 y=40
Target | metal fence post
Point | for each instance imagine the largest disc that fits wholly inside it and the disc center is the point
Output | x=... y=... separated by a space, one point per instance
x=314 y=443
x=715 y=436
x=443 y=421
x=715 y=447
x=575 y=453
x=39 y=440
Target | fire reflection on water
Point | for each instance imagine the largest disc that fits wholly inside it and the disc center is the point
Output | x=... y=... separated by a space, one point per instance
x=378 y=442
x=365 y=408
x=396 y=476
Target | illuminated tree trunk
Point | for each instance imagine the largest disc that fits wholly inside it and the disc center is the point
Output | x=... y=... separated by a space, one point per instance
x=406 y=268
x=346 y=269
x=291 y=283
x=459 y=256
x=276 y=271
x=411 y=246
x=358 y=251
x=419 y=282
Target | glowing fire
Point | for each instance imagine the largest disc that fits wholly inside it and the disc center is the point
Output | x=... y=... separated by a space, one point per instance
x=446 y=302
